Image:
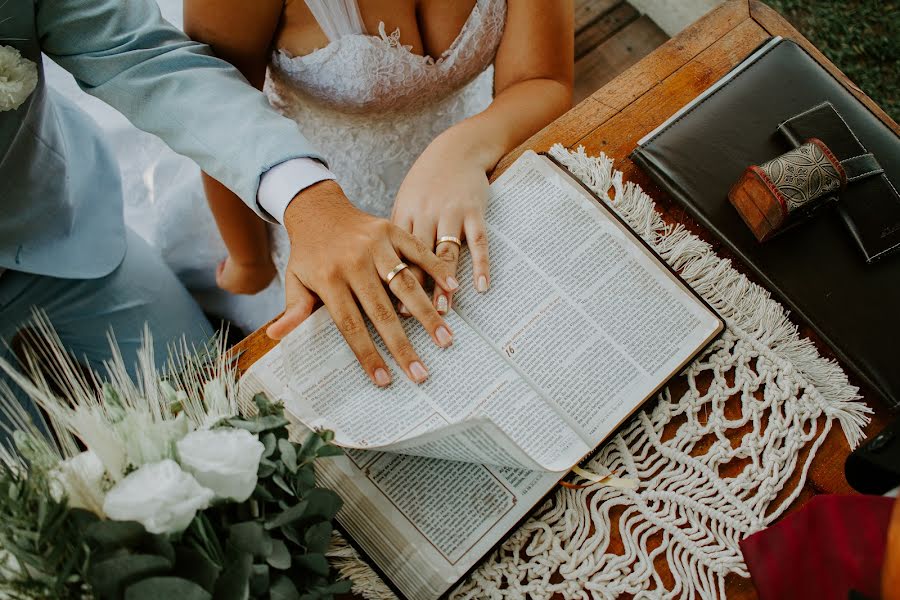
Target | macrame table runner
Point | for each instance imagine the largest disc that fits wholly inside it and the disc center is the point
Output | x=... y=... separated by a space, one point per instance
x=784 y=399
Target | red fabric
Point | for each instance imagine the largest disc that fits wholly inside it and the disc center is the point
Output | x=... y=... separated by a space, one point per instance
x=828 y=547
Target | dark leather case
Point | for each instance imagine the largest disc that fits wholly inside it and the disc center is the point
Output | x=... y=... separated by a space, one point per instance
x=816 y=269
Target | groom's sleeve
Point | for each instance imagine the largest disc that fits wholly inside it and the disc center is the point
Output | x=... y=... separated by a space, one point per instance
x=124 y=53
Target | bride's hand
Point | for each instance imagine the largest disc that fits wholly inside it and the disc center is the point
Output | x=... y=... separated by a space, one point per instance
x=343 y=255
x=445 y=194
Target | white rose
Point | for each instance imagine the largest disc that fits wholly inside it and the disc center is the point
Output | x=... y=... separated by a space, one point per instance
x=160 y=496
x=18 y=78
x=224 y=460
x=82 y=479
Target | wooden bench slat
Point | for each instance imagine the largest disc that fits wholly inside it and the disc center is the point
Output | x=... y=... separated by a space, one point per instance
x=603 y=28
x=588 y=11
x=626 y=47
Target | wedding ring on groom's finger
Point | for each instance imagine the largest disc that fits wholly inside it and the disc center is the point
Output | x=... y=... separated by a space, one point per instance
x=448 y=238
x=394 y=272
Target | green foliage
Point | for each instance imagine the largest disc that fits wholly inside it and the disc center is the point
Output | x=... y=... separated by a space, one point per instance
x=41 y=554
x=862 y=37
x=271 y=546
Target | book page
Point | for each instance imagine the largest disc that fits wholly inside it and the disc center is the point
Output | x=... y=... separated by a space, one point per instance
x=424 y=522
x=576 y=304
x=474 y=407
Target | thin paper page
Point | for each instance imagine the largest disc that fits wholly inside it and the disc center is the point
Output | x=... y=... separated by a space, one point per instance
x=576 y=304
x=473 y=407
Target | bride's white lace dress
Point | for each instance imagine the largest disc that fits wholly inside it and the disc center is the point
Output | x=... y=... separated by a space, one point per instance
x=371 y=106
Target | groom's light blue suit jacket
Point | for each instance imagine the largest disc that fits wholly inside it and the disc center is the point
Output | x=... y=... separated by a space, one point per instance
x=60 y=191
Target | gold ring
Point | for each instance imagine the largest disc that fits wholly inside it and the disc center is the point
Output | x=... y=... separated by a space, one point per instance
x=449 y=238
x=395 y=271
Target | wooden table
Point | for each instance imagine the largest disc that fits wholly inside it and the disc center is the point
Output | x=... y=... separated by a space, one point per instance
x=616 y=116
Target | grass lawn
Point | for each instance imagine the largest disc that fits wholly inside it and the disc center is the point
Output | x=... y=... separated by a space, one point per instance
x=862 y=37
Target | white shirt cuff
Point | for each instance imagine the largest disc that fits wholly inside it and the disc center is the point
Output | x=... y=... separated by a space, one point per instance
x=280 y=184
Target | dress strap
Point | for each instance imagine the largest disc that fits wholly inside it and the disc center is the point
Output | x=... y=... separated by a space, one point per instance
x=337 y=18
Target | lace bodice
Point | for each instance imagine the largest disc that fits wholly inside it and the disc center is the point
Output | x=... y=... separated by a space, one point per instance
x=369 y=74
x=371 y=106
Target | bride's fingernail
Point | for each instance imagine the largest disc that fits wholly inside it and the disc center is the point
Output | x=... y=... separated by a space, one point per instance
x=482 y=285
x=443 y=336
x=418 y=372
x=382 y=378
x=452 y=283
x=401 y=308
x=442 y=304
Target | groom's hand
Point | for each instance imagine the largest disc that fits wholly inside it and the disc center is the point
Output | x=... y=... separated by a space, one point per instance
x=343 y=255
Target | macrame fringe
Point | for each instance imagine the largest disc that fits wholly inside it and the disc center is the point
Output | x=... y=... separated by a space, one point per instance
x=366 y=582
x=570 y=533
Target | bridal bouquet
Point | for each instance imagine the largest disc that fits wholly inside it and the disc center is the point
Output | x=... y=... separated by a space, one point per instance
x=160 y=488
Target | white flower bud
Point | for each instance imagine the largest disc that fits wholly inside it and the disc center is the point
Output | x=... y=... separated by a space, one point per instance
x=224 y=460
x=18 y=78
x=160 y=496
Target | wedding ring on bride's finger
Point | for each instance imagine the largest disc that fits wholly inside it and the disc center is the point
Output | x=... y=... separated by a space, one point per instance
x=448 y=238
x=394 y=272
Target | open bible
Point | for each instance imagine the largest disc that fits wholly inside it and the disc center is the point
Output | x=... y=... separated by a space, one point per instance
x=583 y=323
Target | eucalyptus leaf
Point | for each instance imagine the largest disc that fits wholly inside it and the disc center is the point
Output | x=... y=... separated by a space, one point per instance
x=266 y=406
x=311 y=445
x=114 y=534
x=157 y=544
x=340 y=587
x=269 y=442
x=251 y=537
x=288 y=454
x=196 y=566
x=315 y=563
x=157 y=588
x=318 y=537
x=288 y=516
x=279 y=481
x=290 y=533
x=110 y=577
x=280 y=557
x=329 y=450
x=283 y=589
x=306 y=478
x=261 y=424
x=259 y=580
x=234 y=583
x=266 y=468
x=323 y=504
x=261 y=493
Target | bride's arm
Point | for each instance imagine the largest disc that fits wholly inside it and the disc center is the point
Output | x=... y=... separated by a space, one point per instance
x=533 y=79
x=244 y=41
x=446 y=189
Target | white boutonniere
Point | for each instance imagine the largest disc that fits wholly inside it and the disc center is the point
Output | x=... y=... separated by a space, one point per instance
x=18 y=78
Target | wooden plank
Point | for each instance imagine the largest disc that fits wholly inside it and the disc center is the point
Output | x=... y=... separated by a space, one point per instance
x=618 y=136
x=253 y=347
x=775 y=24
x=603 y=28
x=588 y=11
x=672 y=55
x=632 y=43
